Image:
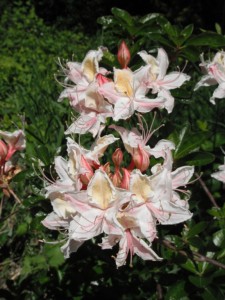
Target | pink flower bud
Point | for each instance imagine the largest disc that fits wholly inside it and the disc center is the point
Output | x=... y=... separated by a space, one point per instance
x=3 y=151
x=123 y=55
x=116 y=178
x=106 y=168
x=117 y=157
x=125 y=180
x=141 y=159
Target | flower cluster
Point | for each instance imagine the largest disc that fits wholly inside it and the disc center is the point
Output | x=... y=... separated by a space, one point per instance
x=9 y=144
x=123 y=202
x=214 y=74
x=96 y=96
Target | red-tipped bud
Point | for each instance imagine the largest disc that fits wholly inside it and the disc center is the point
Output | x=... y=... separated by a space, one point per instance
x=141 y=159
x=117 y=157
x=123 y=55
x=116 y=178
x=106 y=168
x=125 y=180
x=3 y=151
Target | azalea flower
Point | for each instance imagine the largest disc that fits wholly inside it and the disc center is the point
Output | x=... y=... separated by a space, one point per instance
x=154 y=74
x=15 y=142
x=214 y=74
x=128 y=95
x=81 y=75
x=94 y=111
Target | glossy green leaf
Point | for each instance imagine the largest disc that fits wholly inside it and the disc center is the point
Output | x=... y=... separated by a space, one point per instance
x=187 y=31
x=209 y=39
x=200 y=281
x=122 y=15
x=177 y=292
x=187 y=141
x=196 y=229
x=199 y=158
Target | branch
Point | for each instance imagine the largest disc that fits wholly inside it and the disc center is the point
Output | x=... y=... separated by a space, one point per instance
x=210 y=196
x=197 y=256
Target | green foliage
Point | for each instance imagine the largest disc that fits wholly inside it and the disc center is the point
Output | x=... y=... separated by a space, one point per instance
x=33 y=269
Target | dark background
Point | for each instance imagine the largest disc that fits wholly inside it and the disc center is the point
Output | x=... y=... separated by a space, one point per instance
x=72 y=14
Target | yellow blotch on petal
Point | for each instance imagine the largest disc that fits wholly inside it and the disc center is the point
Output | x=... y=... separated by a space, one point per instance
x=124 y=82
x=140 y=186
x=102 y=192
x=126 y=221
x=89 y=68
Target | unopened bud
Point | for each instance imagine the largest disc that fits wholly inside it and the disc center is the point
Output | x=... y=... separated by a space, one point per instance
x=141 y=159
x=123 y=55
x=116 y=178
x=117 y=157
x=125 y=180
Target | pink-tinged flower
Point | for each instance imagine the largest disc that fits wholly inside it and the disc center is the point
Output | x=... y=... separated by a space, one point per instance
x=128 y=95
x=67 y=181
x=129 y=244
x=97 y=208
x=53 y=221
x=137 y=222
x=178 y=178
x=93 y=155
x=156 y=193
x=214 y=74
x=93 y=111
x=123 y=55
x=15 y=141
x=220 y=175
x=154 y=74
x=83 y=76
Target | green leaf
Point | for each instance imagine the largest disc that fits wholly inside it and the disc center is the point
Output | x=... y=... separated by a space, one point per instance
x=150 y=18
x=122 y=15
x=54 y=255
x=171 y=30
x=187 y=31
x=219 y=238
x=209 y=39
x=22 y=229
x=196 y=229
x=199 y=158
x=186 y=141
x=157 y=37
x=191 y=53
x=43 y=154
x=177 y=292
x=199 y=281
x=190 y=266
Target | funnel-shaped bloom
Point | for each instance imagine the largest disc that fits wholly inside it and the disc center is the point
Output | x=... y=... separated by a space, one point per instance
x=128 y=95
x=214 y=74
x=156 y=79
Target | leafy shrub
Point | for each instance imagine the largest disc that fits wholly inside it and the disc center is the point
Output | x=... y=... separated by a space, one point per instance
x=193 y=265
